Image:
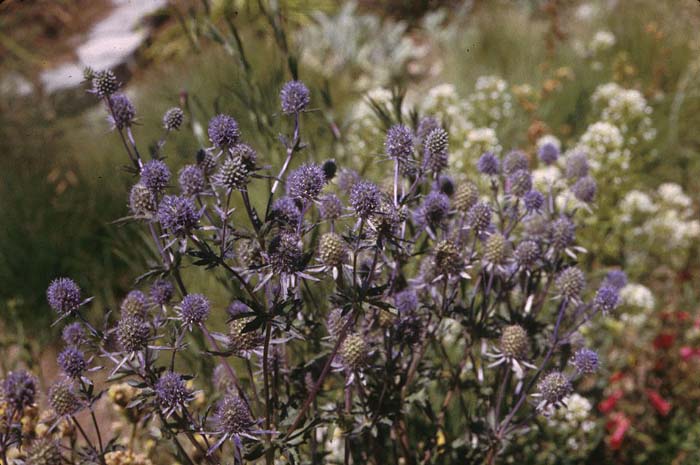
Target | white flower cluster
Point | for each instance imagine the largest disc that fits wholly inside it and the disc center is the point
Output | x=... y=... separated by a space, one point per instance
x=604 y=145
x=662 y=222
x=573 y=420
x=490 y=102
x=637 y=302
x=601 y=42
x=627 y=109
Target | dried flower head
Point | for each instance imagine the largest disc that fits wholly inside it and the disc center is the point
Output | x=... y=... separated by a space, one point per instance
x=332 y=250
x=135 y=303
x=233 y=173
x=519 y=183
x=514 y=342
x=133 y=333
x=354 y=351
x=104 y=83
x=63 y=399
x=496 y=249
x=142 y=200
x=479 y=217
x=466 y=196
x=570 y=283
x=172 y=119
x=554 y=387
x=436 y=150
x=44 y=451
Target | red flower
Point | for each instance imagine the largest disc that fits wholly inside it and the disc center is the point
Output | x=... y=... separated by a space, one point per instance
x=664 y=340
x=660 y=404
x=686 y=353
x=619 y=426
x=607 y=404
x=682 y=316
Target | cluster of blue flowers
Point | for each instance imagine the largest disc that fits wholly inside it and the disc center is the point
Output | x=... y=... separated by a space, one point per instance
x=378 y=283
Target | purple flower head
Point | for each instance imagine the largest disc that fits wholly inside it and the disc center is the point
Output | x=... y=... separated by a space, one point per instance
x=172 y=119
x=606 y=299
x=533 y=201
x=445 y=184
x=585 y=361
x=434 y=210
x=562 y=233
x=155 y=175
x=479 y=217
x=616 y=279
x=191 y=180
x=63 y=295
x=294 y=97
x=286 y=213
x=515 y=161
x=44 y=451
x=171 y=393
x=193 y=310
x=330 y=207
x=223 y=131
x=365 y=198
x=72 y=362
x=406 y=301
x=122 y=111
x=19 y=389
x=519 y=183
x=178 y=214
x=161 y=292
x=399 y=142
x=306 y=182
x=585 y=189
x=63 y=399
x=548 y=153
x=74 y=334
x=488 y=164
x=576 y=165
x=237 y=308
